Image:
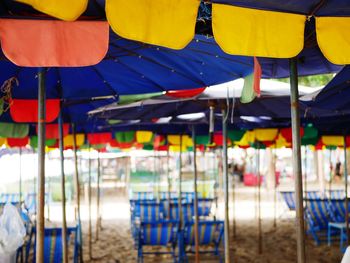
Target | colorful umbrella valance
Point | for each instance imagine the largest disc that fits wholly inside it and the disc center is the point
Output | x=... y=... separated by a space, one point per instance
x=34 y=142
x=125 y=137
x=249 y=31
x=144 y=137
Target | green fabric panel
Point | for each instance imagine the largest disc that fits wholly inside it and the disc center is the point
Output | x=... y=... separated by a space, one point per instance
x=126 y=99
x=13 y=130
x=148 y=147
x=310 y=132
x=112 y=122
x=248 y=93
x=125 y=137
x=309 y=141
x=190 y=148
x=34 y=142
x=331 y=147
x=258 y=145
x=235 y=135
x=202 y=139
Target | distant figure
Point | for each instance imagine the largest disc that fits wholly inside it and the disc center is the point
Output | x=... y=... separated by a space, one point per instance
x=337 y=171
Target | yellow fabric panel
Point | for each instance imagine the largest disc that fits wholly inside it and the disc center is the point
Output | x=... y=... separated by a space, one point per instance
x=3 y=141
x=333 y=140
x=175 y=140
x=143 y=136
x=252 y=32
x=68 y=140
x=264 y=135
x=68 y=10
x=334 y=39
x=247 y=139
x=168 y=23
x=176 y=148
x=281 y=142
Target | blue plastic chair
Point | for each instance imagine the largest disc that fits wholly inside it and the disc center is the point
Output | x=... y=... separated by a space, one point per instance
x=143 y=195
x=336 y=194
x=9 y=198
x=186 y=209
x=314 y=195
x=30 y=202
x=289 y=199
x=204 y=206
x=53 y=244
x=157 y=233
x=209 y=233
x=317 y=216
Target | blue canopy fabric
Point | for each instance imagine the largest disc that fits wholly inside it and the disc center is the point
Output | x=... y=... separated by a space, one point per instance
x=128 y=68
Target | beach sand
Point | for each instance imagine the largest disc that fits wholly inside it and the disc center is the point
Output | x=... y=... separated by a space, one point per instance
x=279 y=243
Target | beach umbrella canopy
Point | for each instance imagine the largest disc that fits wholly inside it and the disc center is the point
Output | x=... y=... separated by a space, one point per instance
x=253 y=28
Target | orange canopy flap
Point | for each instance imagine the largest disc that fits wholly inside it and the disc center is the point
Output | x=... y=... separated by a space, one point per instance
x=42 y=43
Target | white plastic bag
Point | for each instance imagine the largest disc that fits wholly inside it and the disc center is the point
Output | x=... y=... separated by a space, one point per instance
x=346 y=257
x=12 y=230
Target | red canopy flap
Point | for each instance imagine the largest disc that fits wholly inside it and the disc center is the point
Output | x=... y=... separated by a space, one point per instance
x=287 y=133
x=99 y=138
x=27 y=110
x=18 y=142
x=52 y=43
x=185 y=93
x=52 y=130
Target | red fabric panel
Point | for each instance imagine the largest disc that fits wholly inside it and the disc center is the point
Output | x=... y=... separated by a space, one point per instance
x=185 y=93
x=287 y=133
x=121 y=145
x=27 y=110
x=218 y=139
x=161 y=148
x=51 y=130
x=257 y=76
x=159 y=140
x=99 y=138
x=319 y=145
x=53 y=43
x=18 y=142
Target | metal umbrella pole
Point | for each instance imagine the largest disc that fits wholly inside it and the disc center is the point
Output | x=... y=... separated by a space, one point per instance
x=260 y=249
x=233 y=200
x=180 y=241
x=20 y=176
x=169 y=181
x=98 y=219
x=226 y=194
x=346 y=194
x=294 y=97
x=196 y=236
x=63 y=190
x=40 y=222
x=77 y=191
x=89 y=201
x=274 y=190
x=305 y=167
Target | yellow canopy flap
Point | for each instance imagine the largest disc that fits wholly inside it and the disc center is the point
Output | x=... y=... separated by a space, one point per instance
x=332 y=140
x=176 y=148
x=264 y=135
x=143 y=136
x=281 y=142
x=3 y=141
x=168 y=23
x=334 y=39
x=175 y=140
x=68 y=10
x=68 y=140
x=247 y=139
x=252 y=32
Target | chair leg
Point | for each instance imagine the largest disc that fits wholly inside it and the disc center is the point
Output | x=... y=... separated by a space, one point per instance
x=329 y=235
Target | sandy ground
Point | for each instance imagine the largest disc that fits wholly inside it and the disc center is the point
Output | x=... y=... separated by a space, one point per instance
x=279 y=243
